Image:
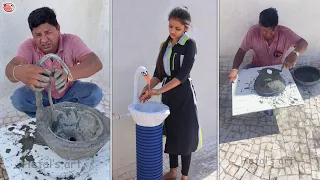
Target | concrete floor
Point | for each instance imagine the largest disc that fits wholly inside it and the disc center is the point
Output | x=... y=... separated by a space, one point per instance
x=9 y=115
x=283 y=146
x=203 y=166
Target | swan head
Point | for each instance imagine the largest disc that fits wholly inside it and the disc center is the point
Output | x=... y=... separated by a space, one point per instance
x=141 y=70
x=144 y=72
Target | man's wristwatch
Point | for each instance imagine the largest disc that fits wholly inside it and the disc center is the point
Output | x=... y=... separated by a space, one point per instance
x=70 y=78
x=296 y=52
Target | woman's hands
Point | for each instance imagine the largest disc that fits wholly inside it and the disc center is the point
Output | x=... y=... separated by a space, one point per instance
x=146 y=94
x=143 y=98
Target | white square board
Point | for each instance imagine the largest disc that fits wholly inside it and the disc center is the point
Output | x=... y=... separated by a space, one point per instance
x=246 y=100
x=47 y=164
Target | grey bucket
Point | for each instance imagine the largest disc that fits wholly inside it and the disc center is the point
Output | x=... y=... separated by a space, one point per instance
x=72 y=130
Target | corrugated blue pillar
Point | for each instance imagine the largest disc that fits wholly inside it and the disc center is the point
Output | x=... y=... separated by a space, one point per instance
x=149 y=152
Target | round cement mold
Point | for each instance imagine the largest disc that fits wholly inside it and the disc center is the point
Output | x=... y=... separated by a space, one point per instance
x=78 y=132
x=72 y=130
x=269 y=82
x=306 y=75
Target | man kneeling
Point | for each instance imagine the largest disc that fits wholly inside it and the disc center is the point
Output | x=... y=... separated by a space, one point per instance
x=47 y=38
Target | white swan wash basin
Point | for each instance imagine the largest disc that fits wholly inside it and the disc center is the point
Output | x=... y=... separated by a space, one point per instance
x=149 y=114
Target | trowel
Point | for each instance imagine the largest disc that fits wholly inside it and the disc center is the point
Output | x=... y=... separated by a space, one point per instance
x=273 y=71
x=282 y=65
x=284 y=60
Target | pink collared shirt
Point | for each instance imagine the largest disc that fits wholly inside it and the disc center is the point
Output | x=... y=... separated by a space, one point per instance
x=71 y=50
x=264 y=54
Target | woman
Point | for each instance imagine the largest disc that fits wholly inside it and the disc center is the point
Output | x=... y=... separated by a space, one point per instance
x=174 y=63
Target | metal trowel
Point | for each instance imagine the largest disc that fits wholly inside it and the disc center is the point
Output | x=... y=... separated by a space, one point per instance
x=282 y=65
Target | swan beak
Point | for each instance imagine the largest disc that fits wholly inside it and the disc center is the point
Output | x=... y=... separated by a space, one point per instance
x=147 y=79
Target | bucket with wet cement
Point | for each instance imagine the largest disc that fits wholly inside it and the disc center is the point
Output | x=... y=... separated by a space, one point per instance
x=72 y=130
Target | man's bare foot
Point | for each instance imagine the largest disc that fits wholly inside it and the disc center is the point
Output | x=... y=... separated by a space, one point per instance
x=172 y=174
x=184 y=177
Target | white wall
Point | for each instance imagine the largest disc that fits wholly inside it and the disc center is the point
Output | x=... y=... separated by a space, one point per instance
x=101 y=43
x=138 y=29
x=237 y=16
x=86 y=19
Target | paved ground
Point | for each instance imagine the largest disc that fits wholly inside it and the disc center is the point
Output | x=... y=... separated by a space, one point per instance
x=9 y=115
x=3 y=172
x=203 y=165
x=284 y=146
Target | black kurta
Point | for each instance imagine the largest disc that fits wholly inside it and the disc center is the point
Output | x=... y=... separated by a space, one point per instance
x=181 y=127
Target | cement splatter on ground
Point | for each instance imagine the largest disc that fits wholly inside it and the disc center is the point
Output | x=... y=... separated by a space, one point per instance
x=32 y=123
x=11 y=128
x=27 y=142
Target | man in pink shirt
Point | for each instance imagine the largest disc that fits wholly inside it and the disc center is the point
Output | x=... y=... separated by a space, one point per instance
x=47 y=38
x=269 y=42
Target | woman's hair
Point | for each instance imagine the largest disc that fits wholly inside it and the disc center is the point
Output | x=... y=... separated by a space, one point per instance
x=181 y=14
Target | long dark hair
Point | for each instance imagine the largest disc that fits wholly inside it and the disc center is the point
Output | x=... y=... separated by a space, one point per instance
x=182 y=14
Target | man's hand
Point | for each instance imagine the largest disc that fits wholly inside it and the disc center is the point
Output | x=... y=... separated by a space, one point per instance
x=290 y=60
x=233 y=75
x=35 y=77
x=60 y=80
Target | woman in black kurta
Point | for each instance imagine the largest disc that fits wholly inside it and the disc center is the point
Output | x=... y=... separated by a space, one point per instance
x=175 y=61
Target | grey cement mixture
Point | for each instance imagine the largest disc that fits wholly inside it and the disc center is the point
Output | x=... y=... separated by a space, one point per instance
x=82 y=126
x=77 y=132
x=269 y=84
x=72 y=130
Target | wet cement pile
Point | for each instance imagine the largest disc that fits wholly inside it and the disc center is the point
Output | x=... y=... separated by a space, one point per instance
x=77 y=132
x=80 y=126
x=269 y=82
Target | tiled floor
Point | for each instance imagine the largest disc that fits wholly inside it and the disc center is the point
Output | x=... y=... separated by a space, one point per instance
x=9 y=115
x=284 y=146
x=3 y=172
x=203 y=165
